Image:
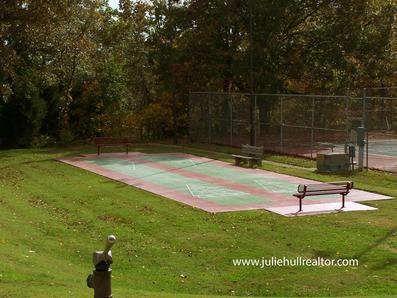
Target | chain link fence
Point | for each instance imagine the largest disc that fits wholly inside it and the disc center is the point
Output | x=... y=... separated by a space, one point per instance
x=296 y=124
x=380 y=110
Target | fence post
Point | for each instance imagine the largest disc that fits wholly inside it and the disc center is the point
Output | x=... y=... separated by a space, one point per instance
x=209 y=120
x=347 y=121
x=312 y=131
x=190 y=116
x=366 y=151
x=255 y=122
x=364 y=124
x=281 y=125
x=231 y=118
x=252 y=119
x=364 y=117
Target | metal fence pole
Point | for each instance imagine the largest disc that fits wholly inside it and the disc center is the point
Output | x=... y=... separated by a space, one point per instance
x=312 y=131
x=364 y=117
x=209 y=120
x=366 y=152
x=255 y=122
x=281 y=125
x=347 y=121
x=364 y=124
x=252 y=98
x=231 y=119
x=189 y=112
x=252 y=120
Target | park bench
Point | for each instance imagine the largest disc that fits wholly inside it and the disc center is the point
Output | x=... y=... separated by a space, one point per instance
x=324 y=145
x=249 y=154
x=305 y=190
x=111 y=142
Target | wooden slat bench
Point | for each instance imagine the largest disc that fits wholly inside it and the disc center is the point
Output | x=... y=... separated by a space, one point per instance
x=111 y=142
x=249 y=154
x=305 y=190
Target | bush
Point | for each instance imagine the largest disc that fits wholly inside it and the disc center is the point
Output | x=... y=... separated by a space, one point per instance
x=21 y=115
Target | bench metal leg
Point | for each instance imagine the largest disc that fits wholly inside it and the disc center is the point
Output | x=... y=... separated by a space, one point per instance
x=343 y=201
x=300 y=204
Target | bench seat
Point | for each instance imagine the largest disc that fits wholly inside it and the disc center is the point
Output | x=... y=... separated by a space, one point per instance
x=244 y=157
x=319 y=193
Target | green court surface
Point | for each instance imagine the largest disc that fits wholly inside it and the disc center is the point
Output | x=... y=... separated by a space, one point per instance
x=207 y=184
x=173 y=178
x=182 y=183
x=383 y=147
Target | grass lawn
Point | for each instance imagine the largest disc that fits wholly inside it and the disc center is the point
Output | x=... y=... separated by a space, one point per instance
x=52 y=216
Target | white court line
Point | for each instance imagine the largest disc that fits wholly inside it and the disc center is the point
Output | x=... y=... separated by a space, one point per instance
x=212 y=191
x=189 y=160
x=262 y=185
x=191 y=192
x=259 y=183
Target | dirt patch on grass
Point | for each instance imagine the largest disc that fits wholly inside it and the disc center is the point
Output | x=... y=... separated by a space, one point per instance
x=114 y=218
x=61 y=214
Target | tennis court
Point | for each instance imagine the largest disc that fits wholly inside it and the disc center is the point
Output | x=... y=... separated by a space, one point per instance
x=212 y=185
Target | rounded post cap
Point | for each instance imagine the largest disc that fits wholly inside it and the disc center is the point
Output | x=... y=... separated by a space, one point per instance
x=111 y=239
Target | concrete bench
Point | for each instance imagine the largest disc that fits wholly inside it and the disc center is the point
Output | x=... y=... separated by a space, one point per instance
x=249 y=154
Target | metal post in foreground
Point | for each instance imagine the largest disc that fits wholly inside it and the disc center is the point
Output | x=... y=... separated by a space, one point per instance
x=101 y=278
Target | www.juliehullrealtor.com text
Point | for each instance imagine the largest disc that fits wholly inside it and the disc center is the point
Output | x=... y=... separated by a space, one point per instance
x=294 y=262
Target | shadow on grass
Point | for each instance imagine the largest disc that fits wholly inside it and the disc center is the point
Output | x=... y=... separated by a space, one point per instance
x=375 y=244
x=386 y=263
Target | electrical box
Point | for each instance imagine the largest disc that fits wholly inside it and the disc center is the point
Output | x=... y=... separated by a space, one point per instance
x=333 y=162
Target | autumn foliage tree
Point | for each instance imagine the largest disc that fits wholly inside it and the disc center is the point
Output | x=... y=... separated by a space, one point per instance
x=74 y=69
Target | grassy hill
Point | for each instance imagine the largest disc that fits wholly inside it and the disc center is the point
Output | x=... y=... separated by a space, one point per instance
x=52 y=217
